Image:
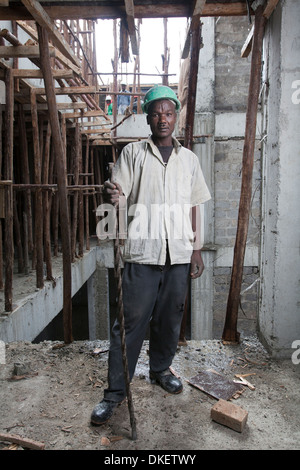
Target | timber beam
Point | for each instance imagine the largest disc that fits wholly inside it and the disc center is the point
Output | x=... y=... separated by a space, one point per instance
x=90 y=10
x=42 y=18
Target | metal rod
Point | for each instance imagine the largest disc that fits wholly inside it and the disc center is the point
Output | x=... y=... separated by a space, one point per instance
x=117 y=266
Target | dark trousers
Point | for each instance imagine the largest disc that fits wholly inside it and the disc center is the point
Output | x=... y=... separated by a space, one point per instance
x=155 y=295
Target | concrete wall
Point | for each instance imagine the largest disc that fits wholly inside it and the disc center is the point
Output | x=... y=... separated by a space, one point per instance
x=279 y=312
x=230 y=103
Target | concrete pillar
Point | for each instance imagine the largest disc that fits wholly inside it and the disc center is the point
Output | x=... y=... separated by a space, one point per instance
x=279 y=309
x=202 y=288
x=98 y=303
x=202 y=301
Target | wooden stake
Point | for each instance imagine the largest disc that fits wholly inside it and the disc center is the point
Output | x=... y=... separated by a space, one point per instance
x=18 y=236
x=61 y=181
x=25 y=175
x=3 y=194
x=75 y=197
x=230 y=329
x=8 y=175
x=193 y=77
x=80 y=203
x=22 y=441
x=165 y=79
x=87 y=228
x=38 y=194
x=47 y=205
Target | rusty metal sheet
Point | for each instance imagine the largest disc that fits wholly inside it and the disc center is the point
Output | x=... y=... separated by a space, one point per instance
x=215 y=385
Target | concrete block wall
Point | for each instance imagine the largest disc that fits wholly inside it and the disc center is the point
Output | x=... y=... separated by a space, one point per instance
x=232 y=71
x=228 y=166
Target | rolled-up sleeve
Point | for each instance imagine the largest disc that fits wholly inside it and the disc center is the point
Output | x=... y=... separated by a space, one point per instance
x=123 y=170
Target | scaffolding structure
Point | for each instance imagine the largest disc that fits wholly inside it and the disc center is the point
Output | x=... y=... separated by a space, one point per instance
x=46 y=198
x=52 y=151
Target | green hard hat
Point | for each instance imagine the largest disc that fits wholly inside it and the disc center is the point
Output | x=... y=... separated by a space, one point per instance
x=159 y=92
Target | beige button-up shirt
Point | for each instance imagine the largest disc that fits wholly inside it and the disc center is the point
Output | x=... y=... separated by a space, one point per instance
x=159 y=201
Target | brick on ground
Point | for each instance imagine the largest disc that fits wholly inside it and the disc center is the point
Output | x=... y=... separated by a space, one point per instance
x=230 y=415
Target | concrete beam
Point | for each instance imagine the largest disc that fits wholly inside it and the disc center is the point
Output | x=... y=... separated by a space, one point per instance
x=36 y=311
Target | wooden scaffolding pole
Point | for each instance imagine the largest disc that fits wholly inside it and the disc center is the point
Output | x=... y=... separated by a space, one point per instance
x=195 y=46
x=8 y=175
x=195 y=33
x=61 y=183
x=230 y=328
x=38 y=229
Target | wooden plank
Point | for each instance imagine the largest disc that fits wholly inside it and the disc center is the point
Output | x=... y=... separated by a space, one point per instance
x=129 y=7
x=32 y=73
x=30 y=52
x=60 y=106
x=92 y=11
x=64 y=61
x=124 y=41
x=271 y=5
x=76 y=90
x=246 y=49
x=22 y=441
x=95 y=131
x=92 y=123
x=198 y=10
x=42 y=18
x=86 y=114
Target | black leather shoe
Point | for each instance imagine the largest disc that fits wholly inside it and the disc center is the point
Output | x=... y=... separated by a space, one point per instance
x=103 y=411
x=167 y=381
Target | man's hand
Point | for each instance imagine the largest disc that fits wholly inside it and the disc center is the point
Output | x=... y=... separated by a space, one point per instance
x=112 y=193
x=197 y=265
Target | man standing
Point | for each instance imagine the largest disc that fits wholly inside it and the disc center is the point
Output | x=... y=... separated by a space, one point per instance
x=164 y=186
x=108 y=105
x=123 y=100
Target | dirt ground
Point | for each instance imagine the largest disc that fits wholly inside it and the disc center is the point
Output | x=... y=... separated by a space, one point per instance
x=56 y=387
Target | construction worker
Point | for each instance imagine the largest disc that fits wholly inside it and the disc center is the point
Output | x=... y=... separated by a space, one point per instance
x=123 y=100
x=109 y=109
x=163 y=185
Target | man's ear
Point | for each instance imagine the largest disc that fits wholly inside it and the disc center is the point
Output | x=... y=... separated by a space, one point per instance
x=148 y=119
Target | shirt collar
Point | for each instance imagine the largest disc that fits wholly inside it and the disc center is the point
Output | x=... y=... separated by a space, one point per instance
x=176 y=144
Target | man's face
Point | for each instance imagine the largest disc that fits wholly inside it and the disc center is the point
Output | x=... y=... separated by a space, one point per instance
x=162 y=118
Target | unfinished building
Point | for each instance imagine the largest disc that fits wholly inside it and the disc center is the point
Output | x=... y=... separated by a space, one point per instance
x=239 y=90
